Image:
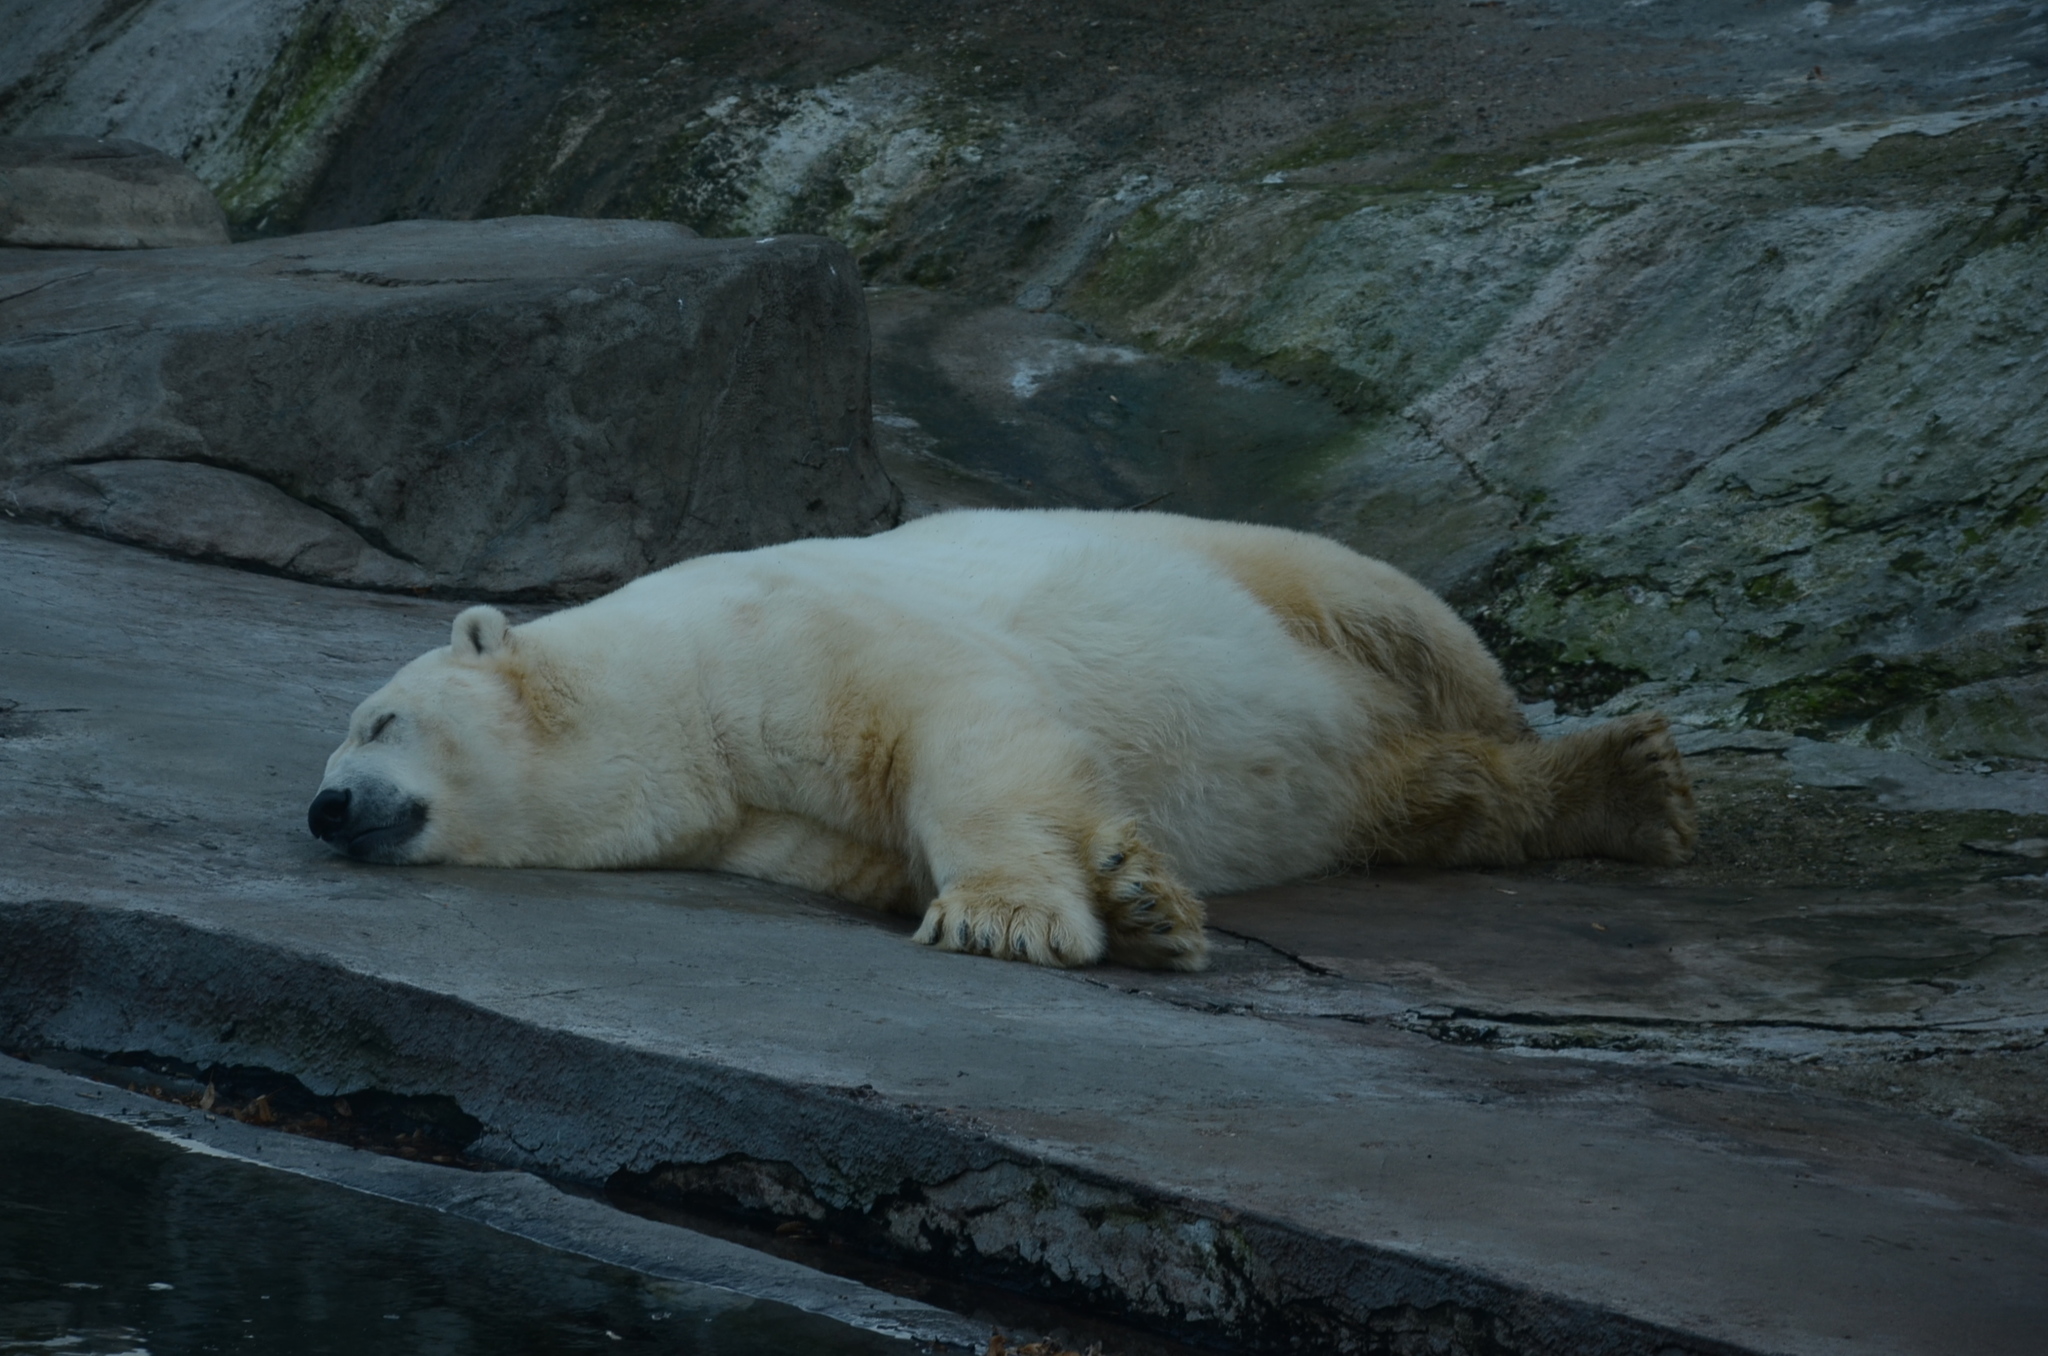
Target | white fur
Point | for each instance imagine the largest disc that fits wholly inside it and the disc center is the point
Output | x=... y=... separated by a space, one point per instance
x=995 y=708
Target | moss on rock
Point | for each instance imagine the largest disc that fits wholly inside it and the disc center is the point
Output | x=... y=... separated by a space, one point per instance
x=268 y=162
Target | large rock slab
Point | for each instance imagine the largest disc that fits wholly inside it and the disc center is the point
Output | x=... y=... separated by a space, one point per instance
x=525 y=406
x=84 y=193
x=1466 y=1121
x=710 y=1281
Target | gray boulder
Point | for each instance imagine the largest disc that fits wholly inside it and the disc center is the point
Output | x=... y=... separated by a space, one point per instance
x=523 y=407
x=194 y=509
x=84 y=193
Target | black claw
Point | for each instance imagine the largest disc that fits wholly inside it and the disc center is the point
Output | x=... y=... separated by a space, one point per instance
x=1113 y=863
x=1163 y=925
x=960 y=934
x=1147 y=904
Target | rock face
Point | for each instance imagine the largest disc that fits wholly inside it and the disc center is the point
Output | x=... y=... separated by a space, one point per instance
x=1693 y=349
x=1760 y=415
x=524 y=407
x=1688 y=348
x=250 y=96
x=80 y=193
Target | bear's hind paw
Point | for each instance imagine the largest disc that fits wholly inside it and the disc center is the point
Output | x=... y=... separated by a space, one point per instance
x=1651 y=781
x=1153 y=923
x=1633 y=798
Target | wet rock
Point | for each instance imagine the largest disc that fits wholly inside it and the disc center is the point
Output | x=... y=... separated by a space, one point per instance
x=1035 y=410
x=529 y=406
x=82 y=193
x=1908 y=781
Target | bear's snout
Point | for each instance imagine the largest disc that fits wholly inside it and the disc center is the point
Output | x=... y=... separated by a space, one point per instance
x=328 y=815
x=372 y=824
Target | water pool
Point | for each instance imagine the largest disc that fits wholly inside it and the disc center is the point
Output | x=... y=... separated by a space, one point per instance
x=112 y=1241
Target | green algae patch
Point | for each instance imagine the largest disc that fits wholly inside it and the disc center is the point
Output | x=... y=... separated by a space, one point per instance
x=308 y=93
x=1775 y=589
x=1152 y=252
x=1180 y=274
x=1977 y=163
x=1387 y=130
x=1975 y=696
x=1655 y=130
x=1541 y=669
x=1460 y=172
x=1821 y=705
x=1520 y=612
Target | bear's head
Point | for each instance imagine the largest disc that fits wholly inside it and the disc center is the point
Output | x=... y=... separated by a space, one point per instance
x=437 y=764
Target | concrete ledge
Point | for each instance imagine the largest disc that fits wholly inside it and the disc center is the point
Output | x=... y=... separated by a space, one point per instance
x=1164 y=1150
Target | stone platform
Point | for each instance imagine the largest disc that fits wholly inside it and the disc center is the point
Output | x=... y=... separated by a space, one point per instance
x=1478 y=1113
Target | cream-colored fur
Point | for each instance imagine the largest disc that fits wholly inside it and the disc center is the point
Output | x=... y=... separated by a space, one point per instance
x=1050 y=732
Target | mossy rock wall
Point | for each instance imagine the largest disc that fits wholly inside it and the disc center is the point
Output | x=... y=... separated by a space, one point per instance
x=1699 y=347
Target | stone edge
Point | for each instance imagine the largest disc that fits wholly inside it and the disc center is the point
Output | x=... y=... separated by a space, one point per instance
x=511 y=1202
x=579 y=1109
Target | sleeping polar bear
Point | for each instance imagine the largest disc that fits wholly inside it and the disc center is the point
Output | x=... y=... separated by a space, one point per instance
x=1048 y=731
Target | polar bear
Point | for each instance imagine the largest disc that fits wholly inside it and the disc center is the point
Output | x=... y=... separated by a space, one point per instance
x=1049 y=731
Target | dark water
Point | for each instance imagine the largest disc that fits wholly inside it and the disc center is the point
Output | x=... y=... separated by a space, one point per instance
x=114 y=1242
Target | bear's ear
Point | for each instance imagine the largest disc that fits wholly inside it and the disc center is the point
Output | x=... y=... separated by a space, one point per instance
x=480 y=633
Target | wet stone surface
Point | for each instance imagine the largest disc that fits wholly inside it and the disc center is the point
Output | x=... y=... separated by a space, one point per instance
x=1929 y=1000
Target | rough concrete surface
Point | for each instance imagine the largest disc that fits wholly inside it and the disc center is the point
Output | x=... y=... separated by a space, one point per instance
x=1330 y=1151
x=529 y=406
x=84 y=193
x=511 y=1202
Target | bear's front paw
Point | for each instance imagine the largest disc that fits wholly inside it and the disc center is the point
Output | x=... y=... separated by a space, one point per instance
x=1012 y=921
x=1153 y=923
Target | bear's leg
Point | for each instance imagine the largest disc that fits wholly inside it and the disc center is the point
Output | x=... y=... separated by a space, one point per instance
x=1153 y=922
x=1031 y=858
x=793 y=850
x=1083 y=896
x=1001 y=812
x=1619 y=790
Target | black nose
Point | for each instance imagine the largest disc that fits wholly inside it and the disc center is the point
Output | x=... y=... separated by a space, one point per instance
x=328 y=815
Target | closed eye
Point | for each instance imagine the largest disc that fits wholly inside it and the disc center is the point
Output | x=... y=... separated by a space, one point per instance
x=383 y=722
